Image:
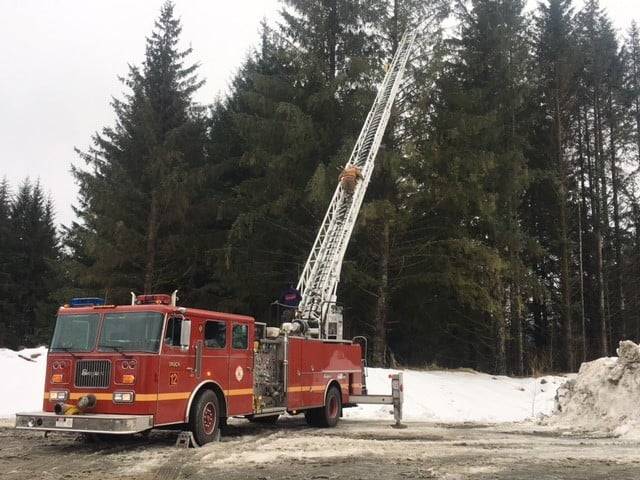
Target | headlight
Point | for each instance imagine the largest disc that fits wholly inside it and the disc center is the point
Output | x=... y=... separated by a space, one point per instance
x=58 y=395
x=123 y=397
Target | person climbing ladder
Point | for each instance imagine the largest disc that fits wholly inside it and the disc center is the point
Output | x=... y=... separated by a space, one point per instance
x=349 y=178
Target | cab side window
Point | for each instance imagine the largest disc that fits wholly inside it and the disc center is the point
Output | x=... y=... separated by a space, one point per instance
x=215 y=334
x=172 y=336
x=240 y=337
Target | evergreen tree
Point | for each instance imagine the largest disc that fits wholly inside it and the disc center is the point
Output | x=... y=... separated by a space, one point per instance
x=597 y=44
x=31 y=272
x=136 y=198
x=470 y=185
x=556 y=66
x=279 y=114
x=7 y=250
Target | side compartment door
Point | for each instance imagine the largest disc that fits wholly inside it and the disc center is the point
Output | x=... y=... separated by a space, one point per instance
x=311 y=378
x=240 y=393
x=295 y=387
x=175 y=372
x=215 y=356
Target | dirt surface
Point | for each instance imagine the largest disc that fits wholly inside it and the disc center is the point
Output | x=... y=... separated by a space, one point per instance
x=353 y=450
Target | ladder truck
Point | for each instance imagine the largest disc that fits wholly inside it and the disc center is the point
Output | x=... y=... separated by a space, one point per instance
x=124 y=369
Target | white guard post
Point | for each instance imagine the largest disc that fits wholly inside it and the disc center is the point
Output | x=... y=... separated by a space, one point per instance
x=396 y=399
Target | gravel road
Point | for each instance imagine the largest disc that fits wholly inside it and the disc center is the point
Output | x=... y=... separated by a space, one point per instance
x=353 y=450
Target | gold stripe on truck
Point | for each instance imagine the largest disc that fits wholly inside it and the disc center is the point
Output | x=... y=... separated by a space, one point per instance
x=152 y=397
x=307 y=388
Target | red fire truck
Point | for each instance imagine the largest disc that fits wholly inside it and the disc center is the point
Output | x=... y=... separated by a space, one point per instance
x=154 y=364
x=118 y=369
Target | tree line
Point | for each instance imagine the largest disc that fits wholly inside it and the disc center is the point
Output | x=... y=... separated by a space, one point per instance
x=30 y=276
x=500 y=229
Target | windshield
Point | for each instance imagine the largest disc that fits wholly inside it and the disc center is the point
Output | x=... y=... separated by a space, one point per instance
x=75 y=333
x=131 y=332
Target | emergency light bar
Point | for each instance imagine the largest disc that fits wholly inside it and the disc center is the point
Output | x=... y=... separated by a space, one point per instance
x=157 y=299
x=86 y=302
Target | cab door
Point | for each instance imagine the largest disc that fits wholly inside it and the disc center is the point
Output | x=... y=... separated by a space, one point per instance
x=240 y=393
x=175 y=372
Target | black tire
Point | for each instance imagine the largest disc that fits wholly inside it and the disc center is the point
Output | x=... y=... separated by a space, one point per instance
x=329 y=415
x=312 y=417
x=204 y=419
x=270 y=420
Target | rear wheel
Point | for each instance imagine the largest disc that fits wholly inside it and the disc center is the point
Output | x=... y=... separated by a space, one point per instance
x=204 y=420
x=328 y=415
x=332 y=408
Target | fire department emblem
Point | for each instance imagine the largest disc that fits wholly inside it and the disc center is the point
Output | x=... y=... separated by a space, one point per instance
x=239 y=373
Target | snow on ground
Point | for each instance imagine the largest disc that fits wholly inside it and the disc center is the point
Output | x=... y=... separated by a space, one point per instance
x=22 y=380
x=461 y=396
x=439 y=396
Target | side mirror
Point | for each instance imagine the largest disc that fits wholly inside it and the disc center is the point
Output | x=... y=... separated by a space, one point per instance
x=185 y=333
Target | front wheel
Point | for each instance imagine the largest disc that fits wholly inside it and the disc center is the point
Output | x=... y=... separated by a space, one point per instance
x=204 y=420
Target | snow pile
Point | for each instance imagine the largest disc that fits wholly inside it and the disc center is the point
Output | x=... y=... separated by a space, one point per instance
x=461 y=396
x=22 y=380
x=604 y=395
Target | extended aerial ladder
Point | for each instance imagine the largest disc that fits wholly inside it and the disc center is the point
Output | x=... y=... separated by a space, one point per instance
x=318 y=314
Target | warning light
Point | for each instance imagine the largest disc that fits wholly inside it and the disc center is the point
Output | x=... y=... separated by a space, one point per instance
x=155 y=299
x=86 y=302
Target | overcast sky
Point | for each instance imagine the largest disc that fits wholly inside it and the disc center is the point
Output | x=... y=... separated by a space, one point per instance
x=60 y=59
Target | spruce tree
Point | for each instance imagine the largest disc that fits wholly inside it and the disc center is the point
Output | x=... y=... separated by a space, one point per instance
x=136 y=196
x=32 y=269
x=7 y=251
x=280 y=151
x=473 y=175
x=556 y=66
x=597 y=44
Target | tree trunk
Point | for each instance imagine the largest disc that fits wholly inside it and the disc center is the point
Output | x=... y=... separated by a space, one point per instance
x=599 y=225
x=552 y=332
x=517 y=320
x=395 y=35
x=332 y=34
x=152 y=236
x=501 y=346
x=617 y=237
x=582 y=207
x=564 y=239
x=636 y=215
x=380 y=326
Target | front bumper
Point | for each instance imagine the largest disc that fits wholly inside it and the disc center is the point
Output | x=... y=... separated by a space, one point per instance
x=86 y=423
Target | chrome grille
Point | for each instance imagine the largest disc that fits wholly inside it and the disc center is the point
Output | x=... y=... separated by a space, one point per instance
x=93 y=373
